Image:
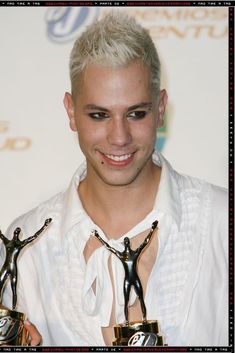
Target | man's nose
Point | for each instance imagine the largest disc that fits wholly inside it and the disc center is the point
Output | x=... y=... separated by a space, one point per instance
x=119 y=132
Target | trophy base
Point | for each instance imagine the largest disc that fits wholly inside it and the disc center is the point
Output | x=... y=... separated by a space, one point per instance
x=12 y=330
x=138 y=333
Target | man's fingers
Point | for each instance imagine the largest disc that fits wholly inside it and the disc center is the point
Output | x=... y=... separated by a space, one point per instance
x=35 y=337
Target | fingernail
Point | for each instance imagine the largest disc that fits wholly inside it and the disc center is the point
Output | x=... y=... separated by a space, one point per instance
x=27 y=322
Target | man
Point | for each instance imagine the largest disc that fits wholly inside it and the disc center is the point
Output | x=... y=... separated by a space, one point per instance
x=69 y=285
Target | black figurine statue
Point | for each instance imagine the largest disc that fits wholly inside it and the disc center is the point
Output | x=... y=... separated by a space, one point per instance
x=13 y=248
x=129 y=259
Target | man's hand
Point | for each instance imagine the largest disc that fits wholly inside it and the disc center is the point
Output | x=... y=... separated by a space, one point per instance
x=35 y=337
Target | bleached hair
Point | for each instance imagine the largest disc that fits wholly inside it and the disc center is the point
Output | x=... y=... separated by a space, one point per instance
x=115 y=41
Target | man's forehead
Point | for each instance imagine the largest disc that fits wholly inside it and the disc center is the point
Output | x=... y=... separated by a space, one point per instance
x=97 y=69
x=97 y=78
x=122 y=87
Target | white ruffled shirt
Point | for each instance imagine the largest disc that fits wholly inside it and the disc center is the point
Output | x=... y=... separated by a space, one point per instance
x=187 y=287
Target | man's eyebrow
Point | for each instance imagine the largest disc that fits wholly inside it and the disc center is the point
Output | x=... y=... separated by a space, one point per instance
x=141 y=105
x=95 y=107
x=133 y=107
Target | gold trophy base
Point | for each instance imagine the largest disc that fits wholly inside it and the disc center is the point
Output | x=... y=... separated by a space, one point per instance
x=138 y=333
x=12 y=330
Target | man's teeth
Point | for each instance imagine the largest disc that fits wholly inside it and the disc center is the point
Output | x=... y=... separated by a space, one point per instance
x=118 y=158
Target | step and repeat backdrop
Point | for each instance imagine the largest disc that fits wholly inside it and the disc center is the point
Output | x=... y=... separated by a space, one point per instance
x=39 y=153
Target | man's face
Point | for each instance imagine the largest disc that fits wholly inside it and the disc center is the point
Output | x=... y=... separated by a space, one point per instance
x=116 y=117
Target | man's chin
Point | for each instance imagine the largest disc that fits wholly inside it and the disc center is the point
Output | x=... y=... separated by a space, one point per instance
x=118 y=181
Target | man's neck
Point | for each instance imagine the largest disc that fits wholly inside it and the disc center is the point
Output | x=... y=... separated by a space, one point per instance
x=117 y=209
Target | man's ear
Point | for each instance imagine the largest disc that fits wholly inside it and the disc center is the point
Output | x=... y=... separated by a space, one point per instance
x=69 y=106
x=161 y=107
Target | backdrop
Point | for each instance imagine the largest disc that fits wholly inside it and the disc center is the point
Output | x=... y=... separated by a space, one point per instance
x=39 y=153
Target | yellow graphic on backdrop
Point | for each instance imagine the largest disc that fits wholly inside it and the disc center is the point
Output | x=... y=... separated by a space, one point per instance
x=182 y=23
x=12 y=143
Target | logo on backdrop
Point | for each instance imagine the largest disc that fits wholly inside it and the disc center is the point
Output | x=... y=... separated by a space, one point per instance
x=66 y=23
x=183 y=22
x=162 y=134
x=12 y=143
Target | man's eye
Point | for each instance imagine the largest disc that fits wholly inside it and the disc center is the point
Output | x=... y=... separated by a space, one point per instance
x=139 y=114
x=98 y=116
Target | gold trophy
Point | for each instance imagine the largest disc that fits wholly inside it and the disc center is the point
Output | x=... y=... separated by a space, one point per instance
x=136 y=333
x=12 y=330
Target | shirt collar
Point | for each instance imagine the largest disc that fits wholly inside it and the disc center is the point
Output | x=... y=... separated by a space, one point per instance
x=167 y=199
x=73 y=211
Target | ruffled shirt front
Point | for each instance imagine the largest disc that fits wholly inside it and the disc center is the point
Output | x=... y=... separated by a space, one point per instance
x=186 y=289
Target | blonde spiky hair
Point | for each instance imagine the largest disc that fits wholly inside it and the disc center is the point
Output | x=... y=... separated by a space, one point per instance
x=115 y=40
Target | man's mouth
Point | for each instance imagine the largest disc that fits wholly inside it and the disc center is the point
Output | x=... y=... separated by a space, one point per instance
x=118 y=160
x=121 y=158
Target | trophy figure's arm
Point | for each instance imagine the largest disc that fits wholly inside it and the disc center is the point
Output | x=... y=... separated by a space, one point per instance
x=4 y=239
x=33 y=237
x=96 y=234
x=148 y=238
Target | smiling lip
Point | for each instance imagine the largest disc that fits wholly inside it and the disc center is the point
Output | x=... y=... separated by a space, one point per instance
x=118 y=160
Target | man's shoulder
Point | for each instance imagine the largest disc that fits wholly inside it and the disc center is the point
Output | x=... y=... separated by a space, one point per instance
x=215 y=192
x=189 y=187
x=207 y=194
x=34 y=219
